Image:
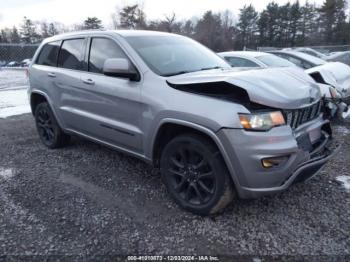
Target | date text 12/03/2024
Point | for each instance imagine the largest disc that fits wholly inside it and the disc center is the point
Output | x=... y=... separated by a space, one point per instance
x=173 y=258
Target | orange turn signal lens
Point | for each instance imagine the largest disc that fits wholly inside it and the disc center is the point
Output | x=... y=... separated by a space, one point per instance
x=244 y=121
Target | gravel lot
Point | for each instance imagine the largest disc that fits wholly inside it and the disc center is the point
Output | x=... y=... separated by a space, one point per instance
x=88 y=200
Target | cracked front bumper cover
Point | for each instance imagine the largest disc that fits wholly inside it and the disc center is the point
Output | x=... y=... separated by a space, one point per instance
x=245 y=150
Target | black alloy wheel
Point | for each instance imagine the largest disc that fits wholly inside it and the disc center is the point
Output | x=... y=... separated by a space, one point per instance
x=192 y=175
x=195 y=174
x=49 y=131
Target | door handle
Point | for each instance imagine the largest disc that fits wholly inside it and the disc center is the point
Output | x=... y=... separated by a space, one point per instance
x=89 y=81
x=51 y=74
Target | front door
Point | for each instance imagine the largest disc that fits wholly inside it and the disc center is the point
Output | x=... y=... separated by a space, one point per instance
x=110 y=106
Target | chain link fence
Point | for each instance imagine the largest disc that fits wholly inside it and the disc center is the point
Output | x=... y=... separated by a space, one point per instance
x=16 y=55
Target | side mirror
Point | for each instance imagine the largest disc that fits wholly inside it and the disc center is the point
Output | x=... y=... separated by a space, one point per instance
x=120 y=67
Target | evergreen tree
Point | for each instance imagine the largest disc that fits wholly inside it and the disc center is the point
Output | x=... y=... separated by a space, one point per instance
x=4 y=35
x=52 y=30
x=44 y=30
x=295 y=21
x=333 y=20
x=188 y=28
x=309 y=25
x=247 y=26
x=262 y=25
x=15 y=37
x=132 y=17
x=208 y=31
x=92 y=23
x=269 y=24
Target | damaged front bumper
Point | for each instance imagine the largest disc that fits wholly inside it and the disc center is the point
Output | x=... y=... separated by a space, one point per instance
x=336 y=109
x=306 y=150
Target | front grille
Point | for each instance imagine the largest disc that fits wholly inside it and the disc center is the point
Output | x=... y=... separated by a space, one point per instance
x=297 y=117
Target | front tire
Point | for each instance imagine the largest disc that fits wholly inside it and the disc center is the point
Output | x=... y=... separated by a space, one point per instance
x=50 y=133
x=196 y=175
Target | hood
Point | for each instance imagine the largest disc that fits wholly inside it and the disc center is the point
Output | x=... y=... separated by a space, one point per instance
x=285 y=88
x=325 y=90
x=336 y=74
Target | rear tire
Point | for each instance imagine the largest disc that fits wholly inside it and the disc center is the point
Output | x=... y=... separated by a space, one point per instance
x=195 y=174
x=50 y=133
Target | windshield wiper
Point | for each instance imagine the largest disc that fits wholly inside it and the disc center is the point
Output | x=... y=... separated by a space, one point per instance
x=210 y=68
x=191 y=71
x=179 y=73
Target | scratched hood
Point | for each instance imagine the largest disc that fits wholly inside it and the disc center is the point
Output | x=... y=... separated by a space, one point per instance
x=335 y=74
x=285 y=88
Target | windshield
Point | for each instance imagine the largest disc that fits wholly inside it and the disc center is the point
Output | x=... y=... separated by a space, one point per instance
x=169 y=55
x=274 y=61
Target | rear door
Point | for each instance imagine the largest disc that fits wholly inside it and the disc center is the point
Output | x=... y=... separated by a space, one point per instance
x=43 y=71
x=68 y=86
x=110 y=106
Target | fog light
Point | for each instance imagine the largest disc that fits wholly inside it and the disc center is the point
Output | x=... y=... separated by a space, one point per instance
x=273 y=161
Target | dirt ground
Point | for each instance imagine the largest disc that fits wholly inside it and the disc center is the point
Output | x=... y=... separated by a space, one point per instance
x=86 y=200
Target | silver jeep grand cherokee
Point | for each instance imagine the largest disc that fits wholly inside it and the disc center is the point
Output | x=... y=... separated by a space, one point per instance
x=214 y=132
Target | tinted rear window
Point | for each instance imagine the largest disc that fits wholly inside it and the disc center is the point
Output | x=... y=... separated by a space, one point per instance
x=71 y=54
x=48 y=54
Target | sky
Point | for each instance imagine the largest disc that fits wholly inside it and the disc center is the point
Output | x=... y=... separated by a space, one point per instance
x=75 y=11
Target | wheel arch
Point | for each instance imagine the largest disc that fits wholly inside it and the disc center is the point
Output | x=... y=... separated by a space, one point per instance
x=37 y=97
x=169 y=128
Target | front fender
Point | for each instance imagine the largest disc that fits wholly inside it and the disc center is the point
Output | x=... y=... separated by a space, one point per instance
x=201 y=129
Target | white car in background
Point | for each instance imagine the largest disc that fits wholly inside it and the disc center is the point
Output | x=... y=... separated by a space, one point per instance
x=321 y=74
x=309 y=51
x=343 y=57
x=265 y=60
x=335 y=74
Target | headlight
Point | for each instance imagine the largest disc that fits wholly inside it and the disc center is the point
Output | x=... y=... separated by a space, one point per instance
x=261 y=121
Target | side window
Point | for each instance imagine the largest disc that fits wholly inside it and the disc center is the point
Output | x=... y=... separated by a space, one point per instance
x=295 y=61
x=298 y=62
x=308 y=52
x=100 y=50
x=48 y=54
x=346 y=58
x=71 y=54
x=301 y=63
x=240 y=62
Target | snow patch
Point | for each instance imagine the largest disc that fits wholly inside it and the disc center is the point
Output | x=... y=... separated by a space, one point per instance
x=342 y=129
x=13 y=111
x=13 y=102
x=10 y=79
x=345 y=180
x=7 y=173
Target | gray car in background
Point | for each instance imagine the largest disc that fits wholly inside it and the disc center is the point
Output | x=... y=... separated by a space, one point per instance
x=215 y=133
